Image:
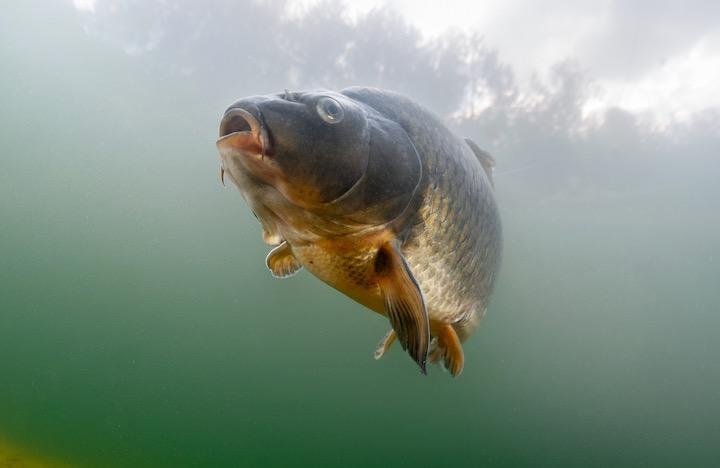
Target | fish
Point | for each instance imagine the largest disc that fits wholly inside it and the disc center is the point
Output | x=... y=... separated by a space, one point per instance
x=374 y=195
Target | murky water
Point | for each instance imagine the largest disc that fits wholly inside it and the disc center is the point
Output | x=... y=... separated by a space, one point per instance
x=139 y=326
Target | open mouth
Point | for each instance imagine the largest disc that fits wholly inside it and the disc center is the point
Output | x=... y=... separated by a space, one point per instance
x=241 y=134
x=241 y=131
x=235 y=121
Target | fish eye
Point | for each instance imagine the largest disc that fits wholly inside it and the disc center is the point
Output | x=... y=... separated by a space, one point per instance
x=330 y=110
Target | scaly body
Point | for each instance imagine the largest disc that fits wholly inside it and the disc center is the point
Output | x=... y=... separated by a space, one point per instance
x=440 y=235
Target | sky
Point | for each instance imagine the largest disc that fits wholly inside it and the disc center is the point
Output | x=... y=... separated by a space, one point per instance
x=659 y=57
x=655 y=58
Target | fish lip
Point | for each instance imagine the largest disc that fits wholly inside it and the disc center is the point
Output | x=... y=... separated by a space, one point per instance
x=238 y=121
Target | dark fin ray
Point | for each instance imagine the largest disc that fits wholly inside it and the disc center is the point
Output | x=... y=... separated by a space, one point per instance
x=404 y=304
x=281 y=262
x=487 y=161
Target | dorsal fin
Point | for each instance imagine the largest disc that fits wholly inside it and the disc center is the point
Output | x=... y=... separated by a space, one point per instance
x=487 y=161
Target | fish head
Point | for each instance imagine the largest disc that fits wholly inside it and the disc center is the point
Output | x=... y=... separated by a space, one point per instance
x=311 y=147
x=324 y=152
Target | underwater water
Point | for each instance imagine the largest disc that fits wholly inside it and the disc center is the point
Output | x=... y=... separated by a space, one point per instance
x=139 y=326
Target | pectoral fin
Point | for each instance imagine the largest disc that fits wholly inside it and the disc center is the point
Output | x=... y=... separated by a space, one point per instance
x=404 y=303
x=281 y=262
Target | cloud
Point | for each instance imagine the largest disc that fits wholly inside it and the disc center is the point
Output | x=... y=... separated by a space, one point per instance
x=640 y=37
x=647 y=56
x=674 y=90
x=85 y=5
x=660 y=58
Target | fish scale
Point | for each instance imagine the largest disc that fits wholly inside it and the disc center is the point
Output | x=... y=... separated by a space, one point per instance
x=455 y=251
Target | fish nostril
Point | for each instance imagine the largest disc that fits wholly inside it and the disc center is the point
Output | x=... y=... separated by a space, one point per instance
x=234 y=123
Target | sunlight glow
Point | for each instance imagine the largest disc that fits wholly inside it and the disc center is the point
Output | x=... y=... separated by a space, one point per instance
x=532 y=37
x=672 y=91
x=85 y=5
x=685 y=84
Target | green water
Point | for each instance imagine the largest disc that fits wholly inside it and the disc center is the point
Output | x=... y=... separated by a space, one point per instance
x=139 y=326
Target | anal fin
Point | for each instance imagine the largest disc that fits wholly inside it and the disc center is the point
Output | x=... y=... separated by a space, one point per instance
x=281 y=262
x=450 y=349
x=404 y=304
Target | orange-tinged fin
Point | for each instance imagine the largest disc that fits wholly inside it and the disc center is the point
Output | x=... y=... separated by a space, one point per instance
x=281 y=262
x=449 y=342
x=385 y=344
x=486 y=161
x=404 y=304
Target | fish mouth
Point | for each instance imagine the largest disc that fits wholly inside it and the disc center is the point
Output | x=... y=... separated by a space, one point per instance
x=241 y=134
x=241 y=130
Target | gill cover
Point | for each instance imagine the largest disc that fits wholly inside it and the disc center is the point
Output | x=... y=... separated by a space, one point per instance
x=390 y=181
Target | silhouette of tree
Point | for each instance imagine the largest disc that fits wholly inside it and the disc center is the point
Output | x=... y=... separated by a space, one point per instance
x=226 y=47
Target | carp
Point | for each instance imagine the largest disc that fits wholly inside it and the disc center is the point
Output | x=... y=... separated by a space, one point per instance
x=375 y=196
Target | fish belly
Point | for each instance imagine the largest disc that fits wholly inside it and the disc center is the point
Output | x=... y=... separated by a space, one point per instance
x=349 y=269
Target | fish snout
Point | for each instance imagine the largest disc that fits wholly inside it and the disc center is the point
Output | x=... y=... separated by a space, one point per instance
x=243 y=133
